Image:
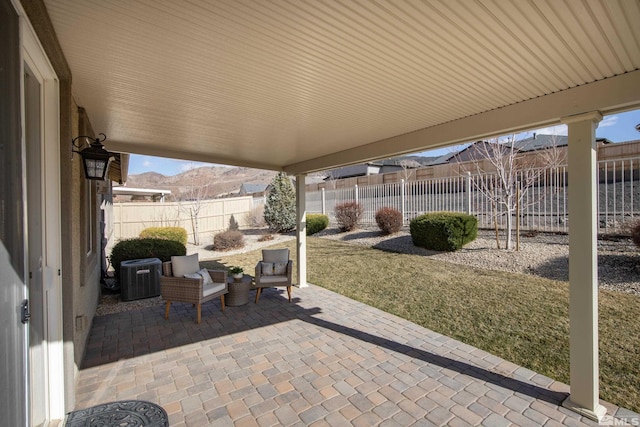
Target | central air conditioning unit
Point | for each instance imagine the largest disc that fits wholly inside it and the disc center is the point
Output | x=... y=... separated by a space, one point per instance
x=140 y=278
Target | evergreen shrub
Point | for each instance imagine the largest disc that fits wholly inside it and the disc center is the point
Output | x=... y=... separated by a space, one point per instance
x=443 y=231
x=316 y=223
x=141 y=248
x=389 y=220
x=280 y=208
x=177 y=234
x=348 y=215
x=233 y=224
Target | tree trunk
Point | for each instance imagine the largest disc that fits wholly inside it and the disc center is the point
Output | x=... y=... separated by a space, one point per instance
x=194 y=227
x=509 y=222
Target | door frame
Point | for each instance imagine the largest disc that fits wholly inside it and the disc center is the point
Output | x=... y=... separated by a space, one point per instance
x=34 y=55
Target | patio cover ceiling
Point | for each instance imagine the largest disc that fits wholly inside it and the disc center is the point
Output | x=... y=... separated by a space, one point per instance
x=308 y=85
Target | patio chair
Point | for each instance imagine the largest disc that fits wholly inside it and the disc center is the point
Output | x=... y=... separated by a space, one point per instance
x=275 y=270
x=184 y=281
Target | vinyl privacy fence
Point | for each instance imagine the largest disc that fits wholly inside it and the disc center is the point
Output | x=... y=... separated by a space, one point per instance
x=129 y=219
x=543 y=206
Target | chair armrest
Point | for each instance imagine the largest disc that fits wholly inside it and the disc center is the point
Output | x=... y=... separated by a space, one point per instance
x=181 y=289
x=258 y=270
x=290 y=270
x=218 y=276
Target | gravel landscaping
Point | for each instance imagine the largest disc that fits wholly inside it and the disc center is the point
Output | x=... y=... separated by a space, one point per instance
x=542 y=254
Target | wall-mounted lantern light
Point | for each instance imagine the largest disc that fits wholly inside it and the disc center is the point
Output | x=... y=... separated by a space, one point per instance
x=95 y=158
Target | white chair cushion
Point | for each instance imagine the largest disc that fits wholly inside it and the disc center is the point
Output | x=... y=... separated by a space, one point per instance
x=275 y=255
x=182 y=265
x=206 y=277
x=266 y=268
x=202 y=274
x=212 y=288
x=274 y=279
x=279 y=268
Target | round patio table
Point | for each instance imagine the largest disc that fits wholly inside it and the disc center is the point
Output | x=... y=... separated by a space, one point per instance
x=238 y=290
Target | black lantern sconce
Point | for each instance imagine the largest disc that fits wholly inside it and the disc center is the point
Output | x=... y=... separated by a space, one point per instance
x=95 y=158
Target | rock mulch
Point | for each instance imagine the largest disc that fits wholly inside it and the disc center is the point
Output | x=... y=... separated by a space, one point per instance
x=542 y=254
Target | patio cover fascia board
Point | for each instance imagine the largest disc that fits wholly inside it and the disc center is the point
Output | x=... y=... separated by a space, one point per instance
x=607 y=96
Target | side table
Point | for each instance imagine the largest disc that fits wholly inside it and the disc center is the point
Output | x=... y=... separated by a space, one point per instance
x=238 y=290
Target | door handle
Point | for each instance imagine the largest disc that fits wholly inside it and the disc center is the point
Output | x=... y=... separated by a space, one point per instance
x=26 y=314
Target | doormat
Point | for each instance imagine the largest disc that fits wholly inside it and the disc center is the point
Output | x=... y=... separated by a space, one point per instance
x=123 y=413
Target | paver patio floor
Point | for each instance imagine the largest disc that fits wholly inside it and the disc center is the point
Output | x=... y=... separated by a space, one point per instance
x=322 y=360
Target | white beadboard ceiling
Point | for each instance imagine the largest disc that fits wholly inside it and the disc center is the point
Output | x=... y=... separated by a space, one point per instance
x=303 y=85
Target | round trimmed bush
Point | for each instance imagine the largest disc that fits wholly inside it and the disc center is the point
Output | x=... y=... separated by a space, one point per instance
x=443 y=231
x=141 y=248
x=389 y=220
x=348 y=215
x=316 y=223
x=227 y=240
x=177 y=234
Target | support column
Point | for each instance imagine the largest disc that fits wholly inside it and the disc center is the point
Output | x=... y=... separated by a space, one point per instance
x=301 y=230
x=583 y=266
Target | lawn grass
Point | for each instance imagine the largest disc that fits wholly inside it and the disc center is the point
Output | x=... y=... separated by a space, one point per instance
x=521 y=318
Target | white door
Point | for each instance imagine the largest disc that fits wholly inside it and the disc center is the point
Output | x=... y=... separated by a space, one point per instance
x=38 y=340
x=13 y=332
x=41 y=148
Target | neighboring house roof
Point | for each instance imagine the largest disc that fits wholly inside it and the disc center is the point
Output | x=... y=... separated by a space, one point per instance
x=539 y=142
x=361 y=169
x=253 y=188
x=129 y=191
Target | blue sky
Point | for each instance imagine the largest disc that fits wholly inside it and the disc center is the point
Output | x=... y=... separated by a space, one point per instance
x=617 y=128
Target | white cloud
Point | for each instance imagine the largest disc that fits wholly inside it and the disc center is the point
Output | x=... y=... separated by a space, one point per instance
x=553 y=130
x=608 y=121
x=147 y=163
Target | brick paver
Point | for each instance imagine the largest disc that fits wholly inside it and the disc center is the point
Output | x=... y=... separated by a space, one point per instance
x=323 y=360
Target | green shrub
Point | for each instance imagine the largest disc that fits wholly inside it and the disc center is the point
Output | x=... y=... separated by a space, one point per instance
x=227 y=240
x=443 y=231
x=177 y=234
x=348 y=215
x=389 y=220
x=280 y=208
x=129 y=249
x=316 y=223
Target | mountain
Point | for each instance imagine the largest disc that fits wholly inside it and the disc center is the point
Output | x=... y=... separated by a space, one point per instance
x=209 y=182
x=205 y=182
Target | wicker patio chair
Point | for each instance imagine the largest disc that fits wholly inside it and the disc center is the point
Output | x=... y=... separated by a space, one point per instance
x=275 y=270
x=183 y=289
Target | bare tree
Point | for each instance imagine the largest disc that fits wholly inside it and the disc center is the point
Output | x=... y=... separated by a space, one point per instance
x=408 y=165
x=505 y=174
x=191 y=200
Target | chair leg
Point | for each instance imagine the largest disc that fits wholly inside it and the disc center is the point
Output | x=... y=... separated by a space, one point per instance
x=258 y=294
x=199 y=309
x=222 y=302
x=289 y=292
x=166 y=310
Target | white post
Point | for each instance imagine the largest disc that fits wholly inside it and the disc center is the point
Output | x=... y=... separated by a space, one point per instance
x=468 y=193
x=301 y=230
x=402 y=200
x=356 y=192
x=324 y=208
x=583 y=267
